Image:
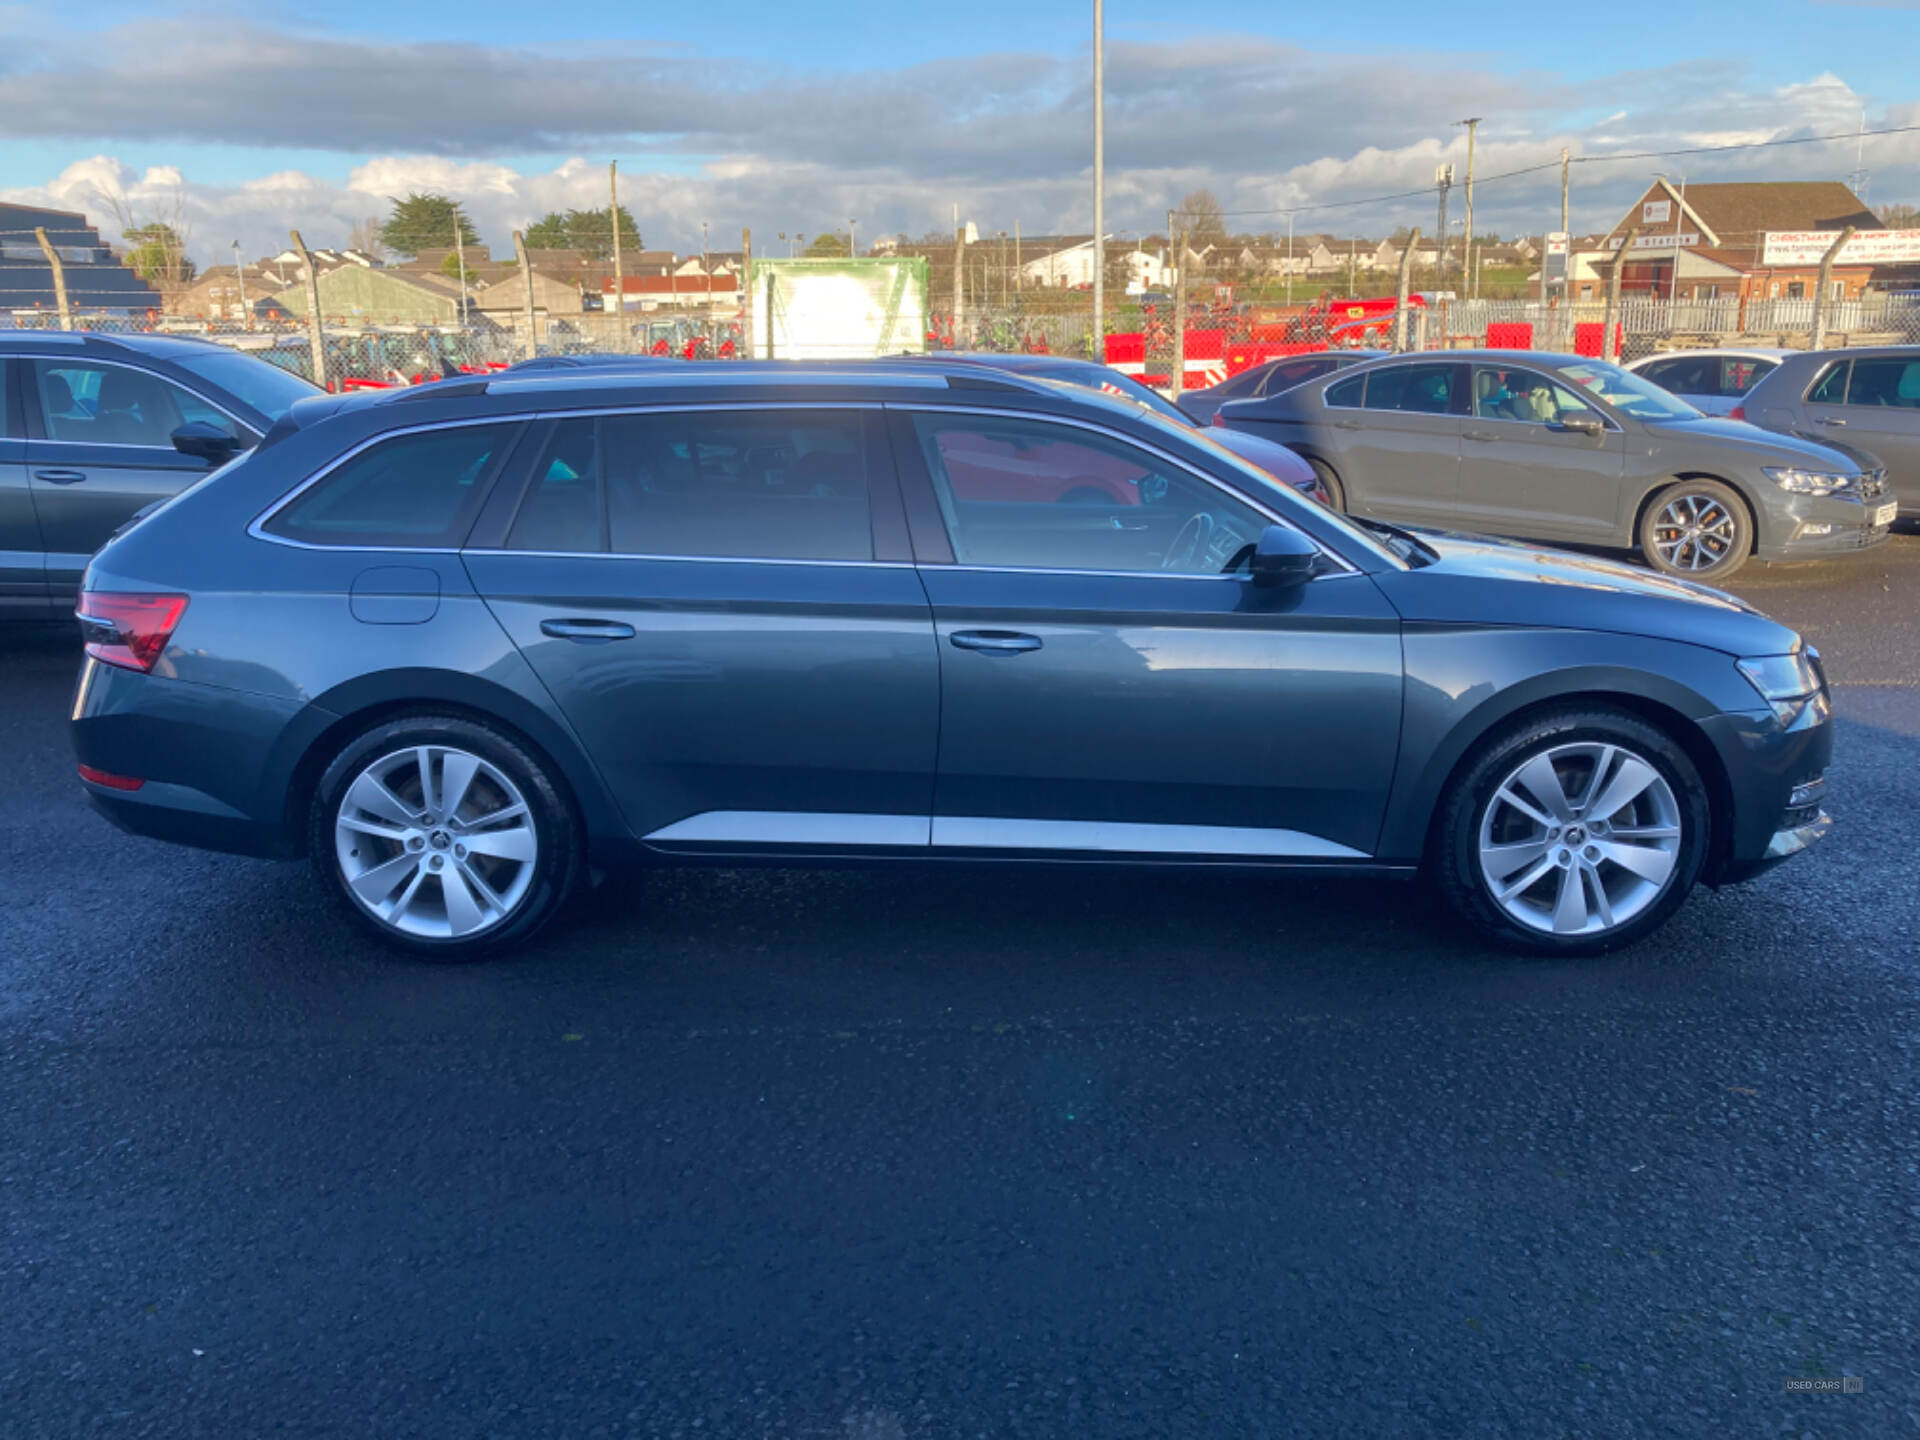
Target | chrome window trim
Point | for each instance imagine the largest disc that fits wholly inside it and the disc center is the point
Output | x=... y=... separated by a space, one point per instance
x=679 y=559
x=1273 y=516
x=88 y=358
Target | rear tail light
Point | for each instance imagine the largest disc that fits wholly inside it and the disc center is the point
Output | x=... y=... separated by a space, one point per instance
x=109 y=781
x=128 y=630
x=1738 y=412
x=1216 y=420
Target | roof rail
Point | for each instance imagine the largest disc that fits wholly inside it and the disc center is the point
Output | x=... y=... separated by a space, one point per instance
x=442 y=390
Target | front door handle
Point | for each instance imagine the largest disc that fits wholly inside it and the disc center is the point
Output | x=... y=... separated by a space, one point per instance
x=1478 y=435
x=1828 y=420
x=60 y=477
x=994 y=642
x=1346 y=424
x=587 y=631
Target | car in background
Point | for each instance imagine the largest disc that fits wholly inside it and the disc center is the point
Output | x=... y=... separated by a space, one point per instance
x=1564 y=448
x=1275 y=459
x=1865 y=399
x=1271 y=377
x=1712 y=381
x=95 y=428
x=465 y=644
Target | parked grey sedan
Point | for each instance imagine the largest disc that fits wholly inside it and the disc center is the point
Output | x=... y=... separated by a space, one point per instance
x=1864 y=399
x=463 y=645
x=1565 y=448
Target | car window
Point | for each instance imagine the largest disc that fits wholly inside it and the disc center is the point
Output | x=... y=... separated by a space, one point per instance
x=1887 y=383
x=1345 y=394
x=1831 y=388
x=1500 y=393
x=1420 y=389
x=98 y=404
x=753 y=484
x=1247 y=382
x=1289 y=373
x=256 y=382
x=1688 y=375
x=564 y=508
x=419 y=491
x=1739 y=374
x=1627 y=392
x=1032 y=494
x=10 y=427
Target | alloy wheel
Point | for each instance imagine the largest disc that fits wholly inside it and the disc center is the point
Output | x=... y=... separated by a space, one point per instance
x=1580 y=839
x=1695 y=532
x=436 y=842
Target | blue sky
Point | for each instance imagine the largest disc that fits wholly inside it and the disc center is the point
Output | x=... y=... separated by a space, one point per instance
x=788 y=116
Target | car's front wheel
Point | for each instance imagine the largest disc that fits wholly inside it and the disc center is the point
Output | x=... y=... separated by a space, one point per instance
x=443 y=836
x=1327 y=487
x=1699 y=529
x=1572 y=832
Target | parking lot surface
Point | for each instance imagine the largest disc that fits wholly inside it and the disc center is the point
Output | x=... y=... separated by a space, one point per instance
x=990 y=1153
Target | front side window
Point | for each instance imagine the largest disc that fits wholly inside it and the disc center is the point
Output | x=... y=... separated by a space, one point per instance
x=1831 y=388
x=1035 y=495
x=1289 y=373
x=1417 y=389
x=747 y=485
x=417 y=491
x=1889 y=383
x=1627 y=392
x=96 y=404
x=1522 y=395
x=256 y=382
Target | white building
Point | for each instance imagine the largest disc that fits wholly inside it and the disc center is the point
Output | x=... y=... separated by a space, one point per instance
x=1072 y=267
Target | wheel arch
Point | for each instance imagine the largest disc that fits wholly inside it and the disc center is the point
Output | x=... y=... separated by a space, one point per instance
x=1681 y=477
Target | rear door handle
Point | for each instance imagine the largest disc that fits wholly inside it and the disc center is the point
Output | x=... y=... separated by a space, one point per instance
x=994 y=642
x=1828 y=420
x=1346 y=424
x=1478 y=435
x=60 y=477
x=587 y=631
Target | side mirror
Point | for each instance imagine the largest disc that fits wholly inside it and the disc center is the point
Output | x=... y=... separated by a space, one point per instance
x=206 y=441
x=1284 y=558
x=1588 y=425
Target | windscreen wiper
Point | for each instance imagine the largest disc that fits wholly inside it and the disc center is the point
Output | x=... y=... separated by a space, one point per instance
x=1415 y=545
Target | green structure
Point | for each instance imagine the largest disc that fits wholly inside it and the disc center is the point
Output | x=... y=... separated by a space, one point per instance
x=377 y=297
x=838 y=309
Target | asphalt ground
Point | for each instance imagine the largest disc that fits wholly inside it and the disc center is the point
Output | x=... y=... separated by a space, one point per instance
x=891 y=1154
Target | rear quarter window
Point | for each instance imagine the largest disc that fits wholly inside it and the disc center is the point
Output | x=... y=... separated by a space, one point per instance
x=1345 y=394
x=414 y=491
x=1831 y=387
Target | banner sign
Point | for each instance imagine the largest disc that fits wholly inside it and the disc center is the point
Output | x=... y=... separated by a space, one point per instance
x=1685 y=241
x=1870 y=247
x=1656 y=212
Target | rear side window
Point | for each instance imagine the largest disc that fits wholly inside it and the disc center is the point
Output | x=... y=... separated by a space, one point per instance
x=1892 y=383
x=747 y=485
x=1831 y=388
x=1346 y=393
x=1419 y=389
x=1740 y=375
x=417 y=491
x=1284 y=377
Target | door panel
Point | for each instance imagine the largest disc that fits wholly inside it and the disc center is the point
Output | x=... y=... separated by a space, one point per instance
x=1165 y=701
x=1399 y=457
x=23 y=566
x=1523 y=473
x=1882 y=416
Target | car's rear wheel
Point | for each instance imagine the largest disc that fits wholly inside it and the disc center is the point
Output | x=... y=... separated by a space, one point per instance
x=1329 y=491
x=1699 y=529
x=1573 y=832
x=444 y=837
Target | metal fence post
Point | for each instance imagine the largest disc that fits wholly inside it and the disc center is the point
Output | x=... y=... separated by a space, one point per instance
x=316 y=336
x=1177 y=380
x=1400 y=308
x=59 y=278
x=1825 y=285
x=526 y=271
x=1608 y=350
x=744 y=289
x=959 y=280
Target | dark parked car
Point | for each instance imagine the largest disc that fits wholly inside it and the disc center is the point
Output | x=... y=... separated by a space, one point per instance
x=462 y=643
x=1565 y=448
x=1278 y=461
x=1863 y=399
x=1712 y=381
x=94 y=428
x=1274 y=377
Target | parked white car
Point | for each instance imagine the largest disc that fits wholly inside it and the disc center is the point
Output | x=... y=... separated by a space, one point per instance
x=1713 y=381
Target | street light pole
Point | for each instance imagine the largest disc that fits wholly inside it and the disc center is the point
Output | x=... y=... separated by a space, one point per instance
x=1470 y=276
x=1099 y=183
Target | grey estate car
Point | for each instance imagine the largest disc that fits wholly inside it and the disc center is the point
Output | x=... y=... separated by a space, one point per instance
x=1867 y=399
x=461 y=644
x=1565 y=448
x=94 y=428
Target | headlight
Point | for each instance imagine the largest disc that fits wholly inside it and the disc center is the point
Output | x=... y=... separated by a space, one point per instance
x=1808 y=482
x=1786 y=682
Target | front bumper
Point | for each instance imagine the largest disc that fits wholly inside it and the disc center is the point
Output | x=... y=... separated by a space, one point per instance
x=1821 y=528
x=1765 y=763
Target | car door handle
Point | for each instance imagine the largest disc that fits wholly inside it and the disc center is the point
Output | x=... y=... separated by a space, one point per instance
x=994 y=642
x=60 y=477
x=1346 y=424
x=1828 y=420
x=1478 y=435
x=587 y=631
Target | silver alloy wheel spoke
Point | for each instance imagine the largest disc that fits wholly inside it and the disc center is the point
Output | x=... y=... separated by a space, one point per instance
x=1694 y=532
x=436 y=842
x=1580 y=838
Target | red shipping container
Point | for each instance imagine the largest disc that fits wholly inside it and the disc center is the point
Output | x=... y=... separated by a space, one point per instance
x=1587 y=337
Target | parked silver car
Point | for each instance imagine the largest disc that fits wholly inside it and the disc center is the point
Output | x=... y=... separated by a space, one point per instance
x=1566 y=448
x=1712 y=381
x=1867 y=399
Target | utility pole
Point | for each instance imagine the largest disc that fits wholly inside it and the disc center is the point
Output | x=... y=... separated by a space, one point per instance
x=619 y=275
x=316 y=337
x=1565 y=166
x=1289 y=256
x=1018 y=278
x=706 y=265
x=1472 y=122
x=745 y=291
x=853 y=248
x=1820 y=296
x=959 y=275
x=1609 y=350
x=1099 y=183
x=240 y=279
x=1400 y=310
x=460 y=259
x=1178 y=379
x=60 y=278
x=1443 y=182
x=1353 y=261
x=526 y=270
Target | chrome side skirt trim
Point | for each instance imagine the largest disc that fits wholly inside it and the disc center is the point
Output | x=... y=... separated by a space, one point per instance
x=948 y=832
x=980 y=833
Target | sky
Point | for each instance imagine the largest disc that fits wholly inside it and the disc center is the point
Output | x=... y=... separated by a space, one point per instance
x=242 y=123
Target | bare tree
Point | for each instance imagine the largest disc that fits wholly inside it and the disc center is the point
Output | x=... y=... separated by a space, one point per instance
x=157 y=236
x=365 y=237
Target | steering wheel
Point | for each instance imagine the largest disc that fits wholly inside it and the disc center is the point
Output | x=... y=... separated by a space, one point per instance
x=1188 y=542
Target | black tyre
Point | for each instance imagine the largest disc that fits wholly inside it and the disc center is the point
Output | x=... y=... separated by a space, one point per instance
x=1332 y=494
x=1697 y=529
x=1572 y=832
x=444 y=837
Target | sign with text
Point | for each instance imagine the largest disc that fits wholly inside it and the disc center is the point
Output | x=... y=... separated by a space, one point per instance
x=1554 y=264
x=1870 y=247
x=1656 y=212
x=1684 y=241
